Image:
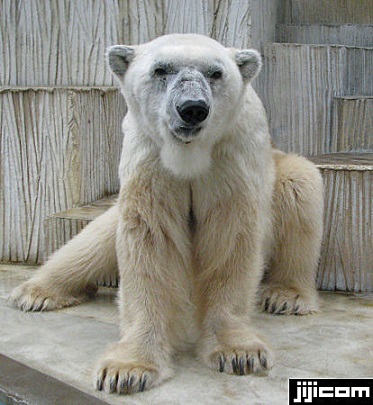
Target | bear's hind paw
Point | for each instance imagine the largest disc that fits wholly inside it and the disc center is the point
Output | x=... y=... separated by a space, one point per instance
x=288 y=301
x=31 y=297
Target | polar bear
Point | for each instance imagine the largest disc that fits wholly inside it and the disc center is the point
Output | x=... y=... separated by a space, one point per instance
x=207 y=210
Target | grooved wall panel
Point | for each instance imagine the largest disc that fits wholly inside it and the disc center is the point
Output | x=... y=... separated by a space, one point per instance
x=57 y=42
x=301 y=83
x=63 y=42
x=265 y=14
x=227 y=21
x=348 y=34
x=347 y=253
x=329 y=11
x=58 y=231
x=59 y=147
x=352 y=128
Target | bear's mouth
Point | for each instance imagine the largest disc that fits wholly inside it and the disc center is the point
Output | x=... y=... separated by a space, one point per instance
x=185 y=135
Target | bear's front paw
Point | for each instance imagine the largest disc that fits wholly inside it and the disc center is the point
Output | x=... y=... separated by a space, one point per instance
x=252 y=356
x=127 y=377
x=288 y=301
x=32 y=297
x=241 y=361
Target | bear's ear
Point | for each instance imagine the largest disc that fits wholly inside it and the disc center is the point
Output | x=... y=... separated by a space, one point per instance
x=119 y=57
x=249 y=63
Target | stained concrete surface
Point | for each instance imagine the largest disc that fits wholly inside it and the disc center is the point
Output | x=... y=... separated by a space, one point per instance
x=22 y=385
x=337 y=342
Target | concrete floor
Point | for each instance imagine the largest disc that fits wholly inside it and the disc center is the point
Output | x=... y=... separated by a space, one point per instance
x=65 y=344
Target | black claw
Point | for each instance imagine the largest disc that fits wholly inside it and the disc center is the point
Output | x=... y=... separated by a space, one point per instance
x=143 y=380
x=41 y=306
x=25 y=308
x=112 y=385
x=99 y=384
x=221 y=363
x=266 y=304
x=281 y=310
x=241 y=366
x=273 y=308
x=263 y=360
x=129 y=382
x=235 y=365
x=122 y=386
x=250 y=363
x=100 y=381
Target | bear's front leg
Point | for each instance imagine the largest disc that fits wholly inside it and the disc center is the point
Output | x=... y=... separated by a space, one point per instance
x=229 y=268
x=154 y=262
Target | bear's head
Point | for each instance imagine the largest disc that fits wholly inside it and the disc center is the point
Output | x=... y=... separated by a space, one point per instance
x=184 y=91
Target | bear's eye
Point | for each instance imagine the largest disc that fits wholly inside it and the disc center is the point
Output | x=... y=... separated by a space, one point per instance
x=216 y=75
x=160 y=72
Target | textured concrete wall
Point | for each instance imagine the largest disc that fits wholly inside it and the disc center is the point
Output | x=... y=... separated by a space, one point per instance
x=329 y=11
x=60 y=148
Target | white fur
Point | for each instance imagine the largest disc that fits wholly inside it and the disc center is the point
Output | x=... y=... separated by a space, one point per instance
x=196 y=225
x=186 y=160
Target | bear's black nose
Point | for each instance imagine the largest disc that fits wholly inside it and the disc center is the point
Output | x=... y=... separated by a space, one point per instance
x=193 y=111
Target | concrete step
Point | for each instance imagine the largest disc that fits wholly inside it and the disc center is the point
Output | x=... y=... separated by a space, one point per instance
x=60 y=148
x=329 y=12
x=352 y=126
x=347 y=254
x=301 y=81
x=63 y=226
x=346 y=261
x=342 y=34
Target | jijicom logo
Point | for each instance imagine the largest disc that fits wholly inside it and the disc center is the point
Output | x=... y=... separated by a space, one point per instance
x=329 y=391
